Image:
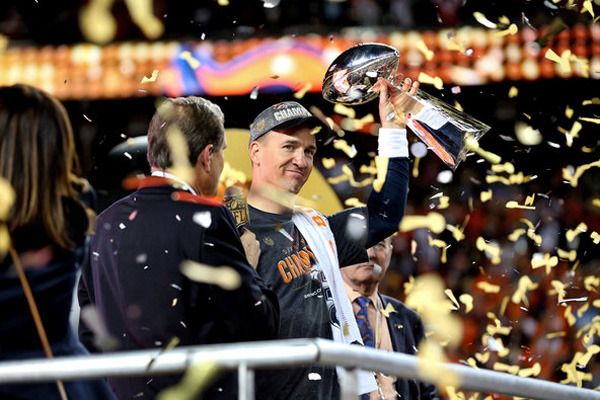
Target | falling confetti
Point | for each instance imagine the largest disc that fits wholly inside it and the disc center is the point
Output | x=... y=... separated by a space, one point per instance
x=433 y=221
x=152 y=78
x=189 y=58
x=342 y=145
x=430 y=80
x=482 y=19
x=225 y=277
x=302 y=91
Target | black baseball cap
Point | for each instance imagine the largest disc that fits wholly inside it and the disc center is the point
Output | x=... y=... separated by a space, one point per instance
x=286 y=115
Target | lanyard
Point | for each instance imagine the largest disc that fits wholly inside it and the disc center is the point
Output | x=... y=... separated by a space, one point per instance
x=185 y=186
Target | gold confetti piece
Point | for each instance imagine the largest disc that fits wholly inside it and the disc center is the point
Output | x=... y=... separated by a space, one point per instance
x=381 y=164
x=430 y=80
x=503 y=305
x=328 y=163
x=303 y=90
x=553 y=335
x=347 y=171
x=485 y=196
x=516 y=234
x=174 y=302
x=225 y=277
x=488 y=287
x=589 y=119
x=433 y=221
x=467 y=300
x=513 y=92
x=223 y=2
x=573 y=177
x=346 y=329
x=341 y=144
x=596 y=202
x=152 y=77
x=482 y=19
x=426 y=296
x=573 y=375
x=527 y=135
x=457 y=233
x=196 y=379
x=473 y=146
x=440 y=244
x=343 y=110
x=533 y=371
x=334 y=180
x=592 y=101
x=482 y=357
x=569 y=316
x=454 y=45
x=511 y=369
x=422 y=47
x=514 y=204
x=596 y=303
x=569 y=112
x=458 y=106
x=444 y=203
x=174 y=342
x=568 y=255
x=520 y=295
x=511 y=30
x=585 y=358
x=472 y=363
x=429 y=359
x=539 y=260
x=497 y=329
x=7 y=198
x=492 y=250
x=354 y=202
x=591 y=282
x=504 y=20
x=573 y=233
x=389 y=308
x=559 y=289
x=450 y=295
x=563 y=60
x=529 y=200
x=583 y=310
x=587 y=6
x=506 y=167
x=189 y=58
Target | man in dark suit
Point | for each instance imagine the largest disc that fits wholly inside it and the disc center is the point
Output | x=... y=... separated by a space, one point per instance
x=133 y=274
x=385 y=323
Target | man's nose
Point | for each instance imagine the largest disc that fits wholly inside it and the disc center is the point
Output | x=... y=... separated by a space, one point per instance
x=371 y=254
x=300 y=159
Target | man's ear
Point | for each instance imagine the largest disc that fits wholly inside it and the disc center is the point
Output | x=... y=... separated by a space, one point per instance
x=255 y=152
x=205 y=157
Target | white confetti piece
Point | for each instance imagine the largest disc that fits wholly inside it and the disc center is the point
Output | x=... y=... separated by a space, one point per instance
x=203 y=218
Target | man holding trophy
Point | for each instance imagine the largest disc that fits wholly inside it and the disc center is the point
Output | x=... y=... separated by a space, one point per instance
x=302 y=250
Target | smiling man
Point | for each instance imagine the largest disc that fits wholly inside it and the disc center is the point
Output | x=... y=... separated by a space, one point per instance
x=301 y=249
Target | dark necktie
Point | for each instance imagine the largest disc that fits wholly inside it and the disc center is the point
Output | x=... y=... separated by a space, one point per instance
x=364 y=325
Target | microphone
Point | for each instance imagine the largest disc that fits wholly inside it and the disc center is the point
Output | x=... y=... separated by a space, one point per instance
x=236 y=203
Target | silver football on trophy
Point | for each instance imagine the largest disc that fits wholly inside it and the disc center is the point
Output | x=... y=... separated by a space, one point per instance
x=443 y=128
x=352 y=74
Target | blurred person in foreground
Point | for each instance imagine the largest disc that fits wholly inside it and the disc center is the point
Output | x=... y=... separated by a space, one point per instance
x=301 y=249
x=134 y=276
x=47 y=225
x=398 y=328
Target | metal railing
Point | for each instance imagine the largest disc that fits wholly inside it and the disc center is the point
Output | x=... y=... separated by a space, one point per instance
x=245 y=357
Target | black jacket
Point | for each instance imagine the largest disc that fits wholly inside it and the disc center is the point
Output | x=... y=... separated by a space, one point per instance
x=132 y=276
x=406 y=331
